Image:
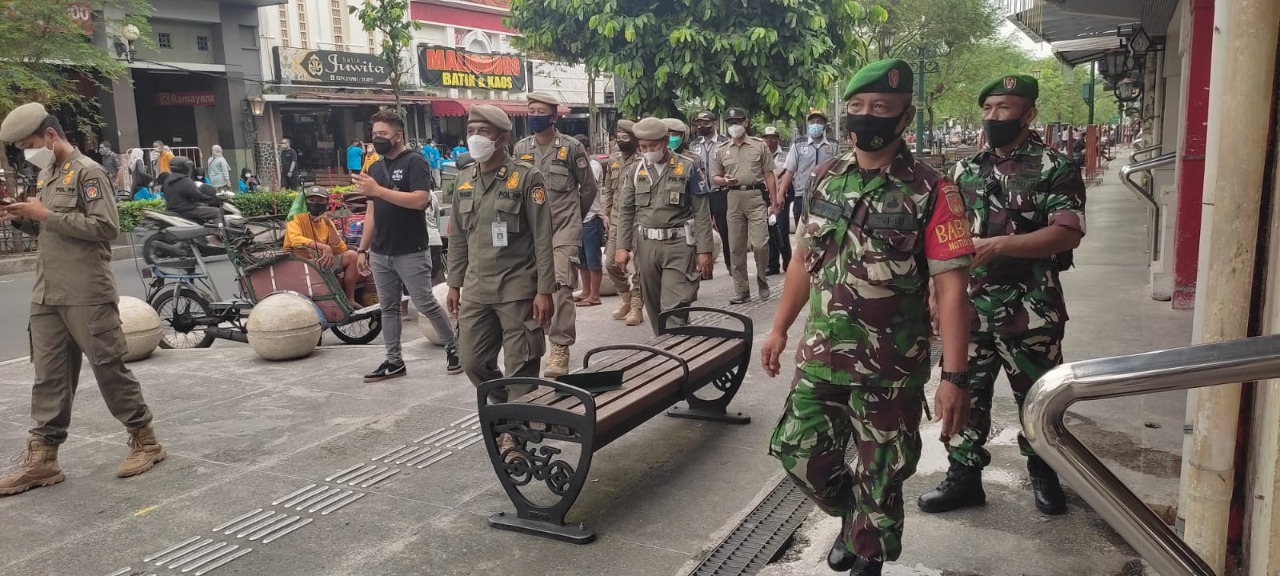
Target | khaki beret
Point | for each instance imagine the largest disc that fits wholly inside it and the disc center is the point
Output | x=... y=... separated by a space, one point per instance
x=23 y=121
x=544 y=98
x=650 y=129
x=625 y=125
x=891 y=75
x=490 y=115
x=675 y=125
x=1012 y=85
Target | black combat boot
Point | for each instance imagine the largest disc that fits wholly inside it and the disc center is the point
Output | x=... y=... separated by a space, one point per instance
x=1050 y=498
x=866 y=567
x=840 y=558
x=960 y=489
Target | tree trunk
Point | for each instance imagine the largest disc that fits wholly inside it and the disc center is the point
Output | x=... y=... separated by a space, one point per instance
x=591 y=110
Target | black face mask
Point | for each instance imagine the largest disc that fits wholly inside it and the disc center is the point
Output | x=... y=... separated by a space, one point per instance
x=628 y=147
x=1001 y=133
x=315 y=210
x=704 y=131
x=874 y=132
x=382 y=146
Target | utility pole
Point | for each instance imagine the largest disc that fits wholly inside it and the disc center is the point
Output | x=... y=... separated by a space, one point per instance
x=920 y=100
x=1093 y=85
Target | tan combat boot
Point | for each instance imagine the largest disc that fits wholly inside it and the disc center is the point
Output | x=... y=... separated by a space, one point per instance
x=557 y=362
x=636 y=316
x=145 y=452
x=624 y=308
x=38 y=467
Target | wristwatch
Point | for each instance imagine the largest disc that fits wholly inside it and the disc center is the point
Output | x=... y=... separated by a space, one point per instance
x=362 y=250
x=960 y=379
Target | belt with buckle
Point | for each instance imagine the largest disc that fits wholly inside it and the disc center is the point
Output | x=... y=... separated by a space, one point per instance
x=752 y=187
x=662 y=233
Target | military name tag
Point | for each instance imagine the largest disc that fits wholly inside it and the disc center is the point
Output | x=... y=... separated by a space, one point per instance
x=499 y=231
x=825 y=209
x=903 y=222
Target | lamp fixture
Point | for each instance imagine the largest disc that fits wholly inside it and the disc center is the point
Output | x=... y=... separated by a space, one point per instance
x=257 y=105
x=1139 y=43
x=124 y=43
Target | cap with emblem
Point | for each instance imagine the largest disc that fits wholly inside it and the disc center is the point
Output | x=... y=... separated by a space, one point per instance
x=891 y=75
x=491 y=115
x=770 y=131
x=650 y=129
x=317 y=192
x=23 y=121
x=625 y=125
x=544 y=98
x=1011 y=85
x=675 y=125
x=814 y=112
x=707 y=115
x=735 y=113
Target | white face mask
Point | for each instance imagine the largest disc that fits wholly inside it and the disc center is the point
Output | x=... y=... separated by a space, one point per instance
x=41 y=157
x=481 y=148
x=737 y=131
x=653 y=157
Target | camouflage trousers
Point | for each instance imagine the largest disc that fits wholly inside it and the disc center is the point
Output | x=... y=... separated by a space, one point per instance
x=1025 y=358
x=819 y=421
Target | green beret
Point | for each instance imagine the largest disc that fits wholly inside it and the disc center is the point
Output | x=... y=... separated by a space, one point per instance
x=491 y=115
x=23 y=121
x=892 y=76
x=650 y=129
x=1011 y=85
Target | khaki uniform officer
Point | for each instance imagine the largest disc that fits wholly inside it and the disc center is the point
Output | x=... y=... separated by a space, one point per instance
x=74 y=307
x=570 y=191
x=500 y=252
x=744 y=167
x=664 y=217
x=632 y=308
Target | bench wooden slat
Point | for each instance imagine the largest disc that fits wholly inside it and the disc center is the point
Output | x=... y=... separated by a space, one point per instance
x=638 y=375
x=622 y=361
x=700 y=369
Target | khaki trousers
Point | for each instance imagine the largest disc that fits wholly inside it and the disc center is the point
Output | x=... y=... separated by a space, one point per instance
x=486 y=329
x=748 y=230
x=564 y=317
x=619 y=275
x=59 y=335
x=668 y=277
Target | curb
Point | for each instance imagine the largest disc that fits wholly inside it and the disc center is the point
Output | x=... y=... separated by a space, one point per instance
x=27 y=262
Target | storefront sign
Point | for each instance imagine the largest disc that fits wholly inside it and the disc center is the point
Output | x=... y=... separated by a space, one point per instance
x=453 y=68
x=184 y=98
x=82 y=15
x=326 y=67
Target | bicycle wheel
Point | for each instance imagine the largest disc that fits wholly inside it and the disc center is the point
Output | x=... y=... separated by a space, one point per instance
x=360 y=331
x=180 y=315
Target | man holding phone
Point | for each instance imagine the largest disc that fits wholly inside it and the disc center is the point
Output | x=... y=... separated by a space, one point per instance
x=394 y=245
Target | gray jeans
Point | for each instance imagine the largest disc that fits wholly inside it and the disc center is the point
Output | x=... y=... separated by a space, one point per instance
x=392 y=275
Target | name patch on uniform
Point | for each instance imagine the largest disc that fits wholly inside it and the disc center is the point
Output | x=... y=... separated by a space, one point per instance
x=513 y=181
x=538 y=194
x=902 y=222
x=91 y=189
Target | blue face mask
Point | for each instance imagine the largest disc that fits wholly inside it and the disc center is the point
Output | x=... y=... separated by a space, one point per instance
x=816 y=130
x=539 y=123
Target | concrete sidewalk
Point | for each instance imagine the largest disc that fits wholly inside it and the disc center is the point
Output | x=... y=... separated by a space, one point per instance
x=26 y=262
x=242 y=433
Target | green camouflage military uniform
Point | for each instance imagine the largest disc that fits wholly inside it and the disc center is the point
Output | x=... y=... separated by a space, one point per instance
x=864 y=359
x=1018 y=308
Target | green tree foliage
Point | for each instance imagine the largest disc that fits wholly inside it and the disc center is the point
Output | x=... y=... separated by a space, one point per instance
x=1060 y=98
x=391 y=18
x=48 y=53
x=900 y=27
x=955 y=93
x=776 y=57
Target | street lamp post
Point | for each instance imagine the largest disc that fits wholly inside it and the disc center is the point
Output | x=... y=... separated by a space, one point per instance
x=923 y=65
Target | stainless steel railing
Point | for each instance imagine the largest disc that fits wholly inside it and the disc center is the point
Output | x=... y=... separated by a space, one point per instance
x=1145 y=150
x=1244 y=360
x=1147 y=194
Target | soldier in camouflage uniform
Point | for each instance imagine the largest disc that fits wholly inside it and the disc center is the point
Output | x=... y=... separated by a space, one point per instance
x=877 y=228
x=1026 y=212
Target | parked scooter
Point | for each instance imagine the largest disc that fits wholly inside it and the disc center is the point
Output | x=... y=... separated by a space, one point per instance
x=155 y=248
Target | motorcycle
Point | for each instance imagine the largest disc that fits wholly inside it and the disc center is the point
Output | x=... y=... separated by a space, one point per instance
x=155 y=248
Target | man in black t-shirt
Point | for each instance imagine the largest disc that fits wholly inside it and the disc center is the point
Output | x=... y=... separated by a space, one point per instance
x=288 y=165
x=394 y=245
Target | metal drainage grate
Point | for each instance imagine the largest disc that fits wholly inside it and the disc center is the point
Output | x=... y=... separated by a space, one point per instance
x=761 y=534
x=759 y=537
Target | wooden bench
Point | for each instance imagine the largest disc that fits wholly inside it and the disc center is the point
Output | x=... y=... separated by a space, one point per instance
x=656 y=375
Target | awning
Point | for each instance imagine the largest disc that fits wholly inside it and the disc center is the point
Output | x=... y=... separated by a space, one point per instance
x=326 y=97
x=447 y=107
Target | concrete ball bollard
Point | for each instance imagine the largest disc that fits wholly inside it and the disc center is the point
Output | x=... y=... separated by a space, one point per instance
x=142 y=328
x=441 y=292
x=284 y=326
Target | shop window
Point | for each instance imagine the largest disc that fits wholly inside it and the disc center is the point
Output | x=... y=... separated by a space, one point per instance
x=163 y=40
x=249 y=37
x=202 y=43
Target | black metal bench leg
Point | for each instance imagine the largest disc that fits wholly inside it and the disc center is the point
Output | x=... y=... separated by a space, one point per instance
x=727 y=383
x=532 y=461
